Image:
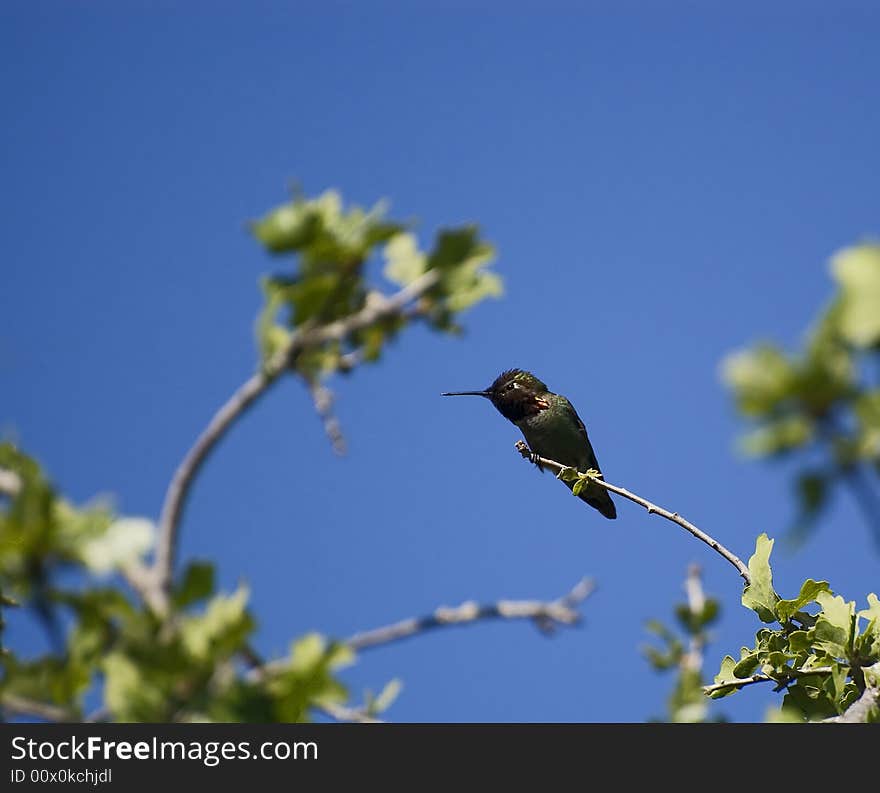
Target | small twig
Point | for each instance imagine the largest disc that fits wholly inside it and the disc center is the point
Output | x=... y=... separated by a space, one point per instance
x=376 y=309
x=178 y=490
x=323 y=399
x=652 y=508
x=762 y=678
x=546 y=615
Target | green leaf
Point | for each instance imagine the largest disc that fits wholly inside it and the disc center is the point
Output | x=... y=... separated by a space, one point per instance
x=760 y=378
x=693 y=622
x=102 y=615
x=872 y=613
x=857 y=271
x=759 y=594
x=404 y=261
x=321 y=230
x=290 y=227
x=783 y=715
x=687 y=703
x=728 y=664
x=307 y=680
x=313 y=649
x=809 y=590
x=661 y=660
x=220 y=630
x=657 y=628
x=129 y=693
x=867 y=410
x=196 y=584
x=809 y=697
x=568 y=475
x=126 y=540
x=837 y=685
x=799 y=641
x=464 y=261
x=833 y=630
x=775 y=663
x=271 y=337
x=52 y=679
x=323 y=295
x=671 y=656
x=746 y=666
x=778 y=436
x=307 y=652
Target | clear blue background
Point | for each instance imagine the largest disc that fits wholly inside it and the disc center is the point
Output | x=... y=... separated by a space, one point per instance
x=664 y=185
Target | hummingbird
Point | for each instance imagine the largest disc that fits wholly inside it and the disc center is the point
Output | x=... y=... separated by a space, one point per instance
x=550 y=424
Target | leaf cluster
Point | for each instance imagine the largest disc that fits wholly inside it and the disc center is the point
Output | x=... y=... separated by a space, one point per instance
x=186 y=666
x=817 y=648
x=331 y=279
x=821 y=401
x=192 y=663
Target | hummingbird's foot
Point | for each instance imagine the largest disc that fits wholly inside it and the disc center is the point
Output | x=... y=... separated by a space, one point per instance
x=525 y=451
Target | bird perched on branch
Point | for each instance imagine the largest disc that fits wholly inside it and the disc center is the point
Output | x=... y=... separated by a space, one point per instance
x=551 y=427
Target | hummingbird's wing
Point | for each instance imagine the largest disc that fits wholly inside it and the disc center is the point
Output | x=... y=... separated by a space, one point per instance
x=590 y=455
x=600 y=500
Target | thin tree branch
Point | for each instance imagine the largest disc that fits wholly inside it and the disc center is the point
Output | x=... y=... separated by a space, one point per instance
x=323 y=399
x=738 y=683
x=183 y=478
x=143 y=581
x=761 y=678
x=547 y=616
x=741 y=568
x=307 y=337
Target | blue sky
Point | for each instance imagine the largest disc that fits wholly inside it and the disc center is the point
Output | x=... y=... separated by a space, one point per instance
x=663 y=185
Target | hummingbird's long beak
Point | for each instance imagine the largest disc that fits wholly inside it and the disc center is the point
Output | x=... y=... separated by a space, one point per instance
x=466 y=393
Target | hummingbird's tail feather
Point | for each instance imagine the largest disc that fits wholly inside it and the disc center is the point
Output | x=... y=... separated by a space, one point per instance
x=604 y=504
x=601 y=501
